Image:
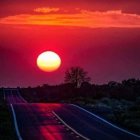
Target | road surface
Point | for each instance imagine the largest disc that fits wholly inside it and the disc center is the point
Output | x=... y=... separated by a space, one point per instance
x=46 y=121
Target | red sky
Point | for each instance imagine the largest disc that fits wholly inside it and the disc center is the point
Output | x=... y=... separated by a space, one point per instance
x=100 y=37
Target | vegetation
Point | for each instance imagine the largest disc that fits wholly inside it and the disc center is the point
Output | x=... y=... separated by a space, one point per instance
x=117 y=102
x=76 y=76
x=6 y=127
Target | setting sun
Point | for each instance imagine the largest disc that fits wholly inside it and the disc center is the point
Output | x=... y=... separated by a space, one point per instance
x=48 y=61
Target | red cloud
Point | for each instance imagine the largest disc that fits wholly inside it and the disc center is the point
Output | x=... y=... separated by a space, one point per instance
x=83 y=18
x=46 y=10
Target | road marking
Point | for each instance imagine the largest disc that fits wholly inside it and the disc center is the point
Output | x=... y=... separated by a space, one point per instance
x=21 y=96
x=11 y=96
x=70 y=127
x=106 y=121
x=15 y=123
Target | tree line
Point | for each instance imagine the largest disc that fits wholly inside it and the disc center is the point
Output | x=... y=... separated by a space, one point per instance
x=77 y=84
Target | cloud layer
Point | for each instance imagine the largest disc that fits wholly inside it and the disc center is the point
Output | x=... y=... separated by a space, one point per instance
x=78 y=18
x=46 y=10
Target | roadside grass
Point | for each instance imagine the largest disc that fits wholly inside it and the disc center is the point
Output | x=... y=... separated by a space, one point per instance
x=7 y=131
x=122 y=112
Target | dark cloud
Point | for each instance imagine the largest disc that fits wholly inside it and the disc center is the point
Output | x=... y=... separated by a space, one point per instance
x=13 y=7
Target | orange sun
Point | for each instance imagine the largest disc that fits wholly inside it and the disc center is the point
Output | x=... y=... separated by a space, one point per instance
x=48 y=61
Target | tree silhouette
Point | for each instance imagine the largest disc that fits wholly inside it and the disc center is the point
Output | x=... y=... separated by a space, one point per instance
x=76 y=76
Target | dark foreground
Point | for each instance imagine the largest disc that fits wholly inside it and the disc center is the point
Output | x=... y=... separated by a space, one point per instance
x=60 y=122
x=6 y=126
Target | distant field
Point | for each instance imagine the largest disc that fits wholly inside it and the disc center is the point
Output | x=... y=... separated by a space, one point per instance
x=7 y=131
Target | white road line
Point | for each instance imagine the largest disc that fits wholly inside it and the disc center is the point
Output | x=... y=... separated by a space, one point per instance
x=12 y=96
x=15 y=123
x=70 y=127
x=121 y=129
x=21 y=96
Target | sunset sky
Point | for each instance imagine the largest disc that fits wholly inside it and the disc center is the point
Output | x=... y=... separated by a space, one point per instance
x=101 y=36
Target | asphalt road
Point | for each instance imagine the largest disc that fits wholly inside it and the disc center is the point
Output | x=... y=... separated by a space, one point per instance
x=40 y=121
x=12 y=96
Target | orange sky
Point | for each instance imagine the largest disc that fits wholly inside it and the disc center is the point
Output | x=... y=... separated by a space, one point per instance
x=81 y=17
x=100 y=36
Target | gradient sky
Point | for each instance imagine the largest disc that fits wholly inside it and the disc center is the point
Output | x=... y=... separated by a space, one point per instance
x=102 y=36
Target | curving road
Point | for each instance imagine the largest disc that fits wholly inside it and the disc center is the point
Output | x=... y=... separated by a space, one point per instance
x=40 y=121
